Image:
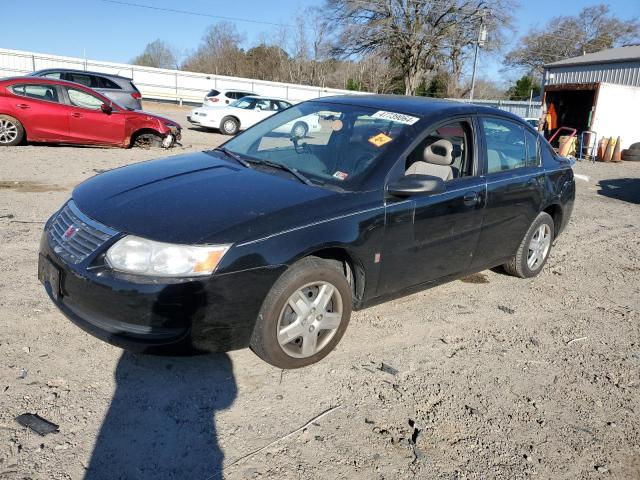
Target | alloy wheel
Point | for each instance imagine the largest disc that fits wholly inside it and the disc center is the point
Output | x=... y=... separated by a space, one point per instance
x=8 y=131
x=229 y=126
x=539 y=246
x=299 y=131
x=309 y=319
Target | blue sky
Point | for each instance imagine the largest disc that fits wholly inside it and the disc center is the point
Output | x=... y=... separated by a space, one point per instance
x=117 y=33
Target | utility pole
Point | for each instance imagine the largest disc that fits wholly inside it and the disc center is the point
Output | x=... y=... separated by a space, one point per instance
x=482 y=37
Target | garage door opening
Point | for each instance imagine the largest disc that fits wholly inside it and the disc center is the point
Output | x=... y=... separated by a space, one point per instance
x=568 y=106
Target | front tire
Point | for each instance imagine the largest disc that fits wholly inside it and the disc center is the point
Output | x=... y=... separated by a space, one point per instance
x=304 y=316
x=11 y=131
x=229 y=126
x=534 y=249
x=147 y=140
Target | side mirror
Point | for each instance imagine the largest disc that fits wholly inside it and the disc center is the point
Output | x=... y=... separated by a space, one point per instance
x=108 y=109
x=258 y=109
x=416 y=185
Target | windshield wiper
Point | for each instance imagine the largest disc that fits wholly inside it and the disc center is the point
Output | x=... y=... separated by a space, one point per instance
x=233 y=155
x=286 y=168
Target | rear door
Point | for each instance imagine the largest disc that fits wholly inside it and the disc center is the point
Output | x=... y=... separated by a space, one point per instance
x=39 y=109
x=88 y=123
x=515 y=188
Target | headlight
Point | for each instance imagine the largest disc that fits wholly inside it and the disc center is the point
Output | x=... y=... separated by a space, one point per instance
x=140 y=256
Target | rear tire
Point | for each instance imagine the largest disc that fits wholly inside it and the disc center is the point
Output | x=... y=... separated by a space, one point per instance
x=11 y=131
x=229 y=126
x=300 y=130
x=304 y=316
x=534 y=249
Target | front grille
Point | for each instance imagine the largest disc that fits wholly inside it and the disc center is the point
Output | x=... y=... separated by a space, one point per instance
x=74 y=236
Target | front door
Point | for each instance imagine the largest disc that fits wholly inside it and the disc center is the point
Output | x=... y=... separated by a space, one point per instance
x=428 y=237
x=88 y=123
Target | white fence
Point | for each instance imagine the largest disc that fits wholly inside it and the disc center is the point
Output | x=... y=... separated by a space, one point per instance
x=158 y=83
x=524 y=109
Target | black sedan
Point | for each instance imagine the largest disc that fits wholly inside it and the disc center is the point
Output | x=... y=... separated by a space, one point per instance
x=271 y=240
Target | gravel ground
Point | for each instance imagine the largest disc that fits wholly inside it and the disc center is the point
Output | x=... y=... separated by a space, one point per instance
x=488 y=377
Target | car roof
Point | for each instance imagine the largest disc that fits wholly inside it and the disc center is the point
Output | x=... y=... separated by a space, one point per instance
x=233 y=90
x=87 y=72
x=45 y=81
x=264 y=97
x=421 y=106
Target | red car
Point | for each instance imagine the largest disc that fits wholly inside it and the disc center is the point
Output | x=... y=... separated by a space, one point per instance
x=44 y=110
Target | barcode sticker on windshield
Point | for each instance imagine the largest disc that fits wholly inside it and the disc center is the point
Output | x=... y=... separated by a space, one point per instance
x=395 y=117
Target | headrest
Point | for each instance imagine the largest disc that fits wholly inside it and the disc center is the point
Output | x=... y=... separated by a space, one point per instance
x=439 y=152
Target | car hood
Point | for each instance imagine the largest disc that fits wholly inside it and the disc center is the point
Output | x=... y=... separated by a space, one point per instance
x=200 y=198
x=149 y=116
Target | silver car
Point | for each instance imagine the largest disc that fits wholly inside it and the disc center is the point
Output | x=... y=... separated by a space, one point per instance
x=119 y=89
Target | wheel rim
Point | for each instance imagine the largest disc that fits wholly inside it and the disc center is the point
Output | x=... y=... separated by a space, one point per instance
x=539 y=247
x=8 y=131
x=229 y=126
x=310 y=319
x=299 y=131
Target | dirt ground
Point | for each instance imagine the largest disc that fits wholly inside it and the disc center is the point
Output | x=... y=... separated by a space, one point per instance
x=489 y=377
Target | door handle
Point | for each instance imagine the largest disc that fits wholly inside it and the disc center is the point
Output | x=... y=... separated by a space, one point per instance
x=76 y=115
x=23 y=106
x=471 y=198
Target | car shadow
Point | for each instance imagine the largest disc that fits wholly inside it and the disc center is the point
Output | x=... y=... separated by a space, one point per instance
x=161 y=421
x=625 y=189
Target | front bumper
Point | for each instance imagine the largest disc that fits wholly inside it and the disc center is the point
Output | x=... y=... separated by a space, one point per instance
x=188 y=316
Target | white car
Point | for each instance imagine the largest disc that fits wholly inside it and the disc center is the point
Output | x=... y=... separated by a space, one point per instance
x=248 y=111
x=222 y=98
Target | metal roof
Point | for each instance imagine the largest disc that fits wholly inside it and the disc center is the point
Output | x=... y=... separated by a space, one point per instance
x=611 y=55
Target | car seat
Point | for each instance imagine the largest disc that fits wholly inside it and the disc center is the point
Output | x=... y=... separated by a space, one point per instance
x=437 y=160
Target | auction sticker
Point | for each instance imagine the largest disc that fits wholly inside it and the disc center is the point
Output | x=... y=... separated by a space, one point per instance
x=395 y=117
x=340 y=175
x=380 y=139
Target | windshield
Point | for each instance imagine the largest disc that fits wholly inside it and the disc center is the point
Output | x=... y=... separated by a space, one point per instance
x=328 y=143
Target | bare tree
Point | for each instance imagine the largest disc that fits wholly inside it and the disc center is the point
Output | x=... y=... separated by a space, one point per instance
x=410 y=34
x=219 y=52
x=157 y=54
x=594 y=28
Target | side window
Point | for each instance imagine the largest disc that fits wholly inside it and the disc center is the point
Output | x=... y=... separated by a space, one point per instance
x=106 y=83
x=506 y=149
x=82 y=99
x=86 y=80
x=533 y=149
x=283 y=105
x=263 y=104
x=231 y=95
x=446 y=152
x=53 y=75
x=48 y=93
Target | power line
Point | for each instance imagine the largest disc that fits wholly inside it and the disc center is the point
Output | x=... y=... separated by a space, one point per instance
x=199 y=14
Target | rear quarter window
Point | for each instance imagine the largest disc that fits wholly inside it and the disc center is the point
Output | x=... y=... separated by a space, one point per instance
x=106 y=83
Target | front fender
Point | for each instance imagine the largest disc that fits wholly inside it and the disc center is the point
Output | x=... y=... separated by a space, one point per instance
x=359 y=235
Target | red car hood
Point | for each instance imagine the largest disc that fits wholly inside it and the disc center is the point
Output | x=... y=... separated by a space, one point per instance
x=149 y=116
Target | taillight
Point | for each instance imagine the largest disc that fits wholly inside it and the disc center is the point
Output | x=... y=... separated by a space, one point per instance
x=136 y=95
x=213 y=99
